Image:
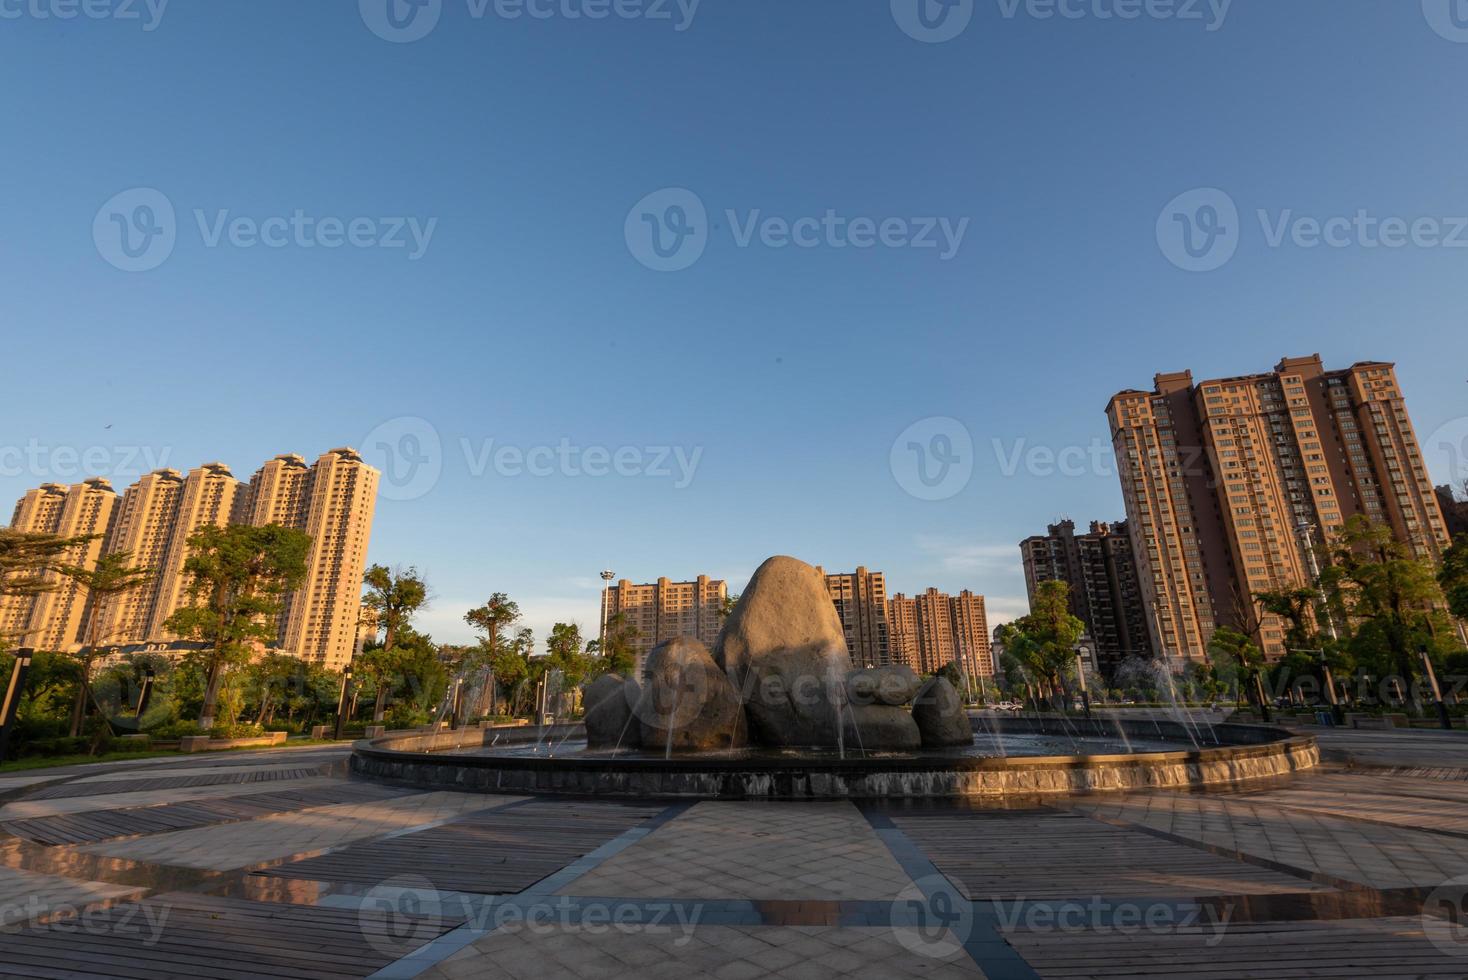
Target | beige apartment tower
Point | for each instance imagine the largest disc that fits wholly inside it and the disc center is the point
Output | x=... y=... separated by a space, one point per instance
x=322 y=618
x=1234 y=486
x=143 y=528
x=208 y=498
x=665 y=610
x=333 y=501
x=861 y=605
x=933 y=630
x=56 y=619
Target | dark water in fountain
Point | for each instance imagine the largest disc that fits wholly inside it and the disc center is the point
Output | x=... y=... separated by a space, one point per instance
x=1010 y=745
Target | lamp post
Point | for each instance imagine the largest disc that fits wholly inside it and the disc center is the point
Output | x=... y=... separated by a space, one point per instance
x=606 y=592
x=341 y=703
x=10 y=707
x=1081 y=675
x=1306 y=530
x=1437 y=693
x=149 y=676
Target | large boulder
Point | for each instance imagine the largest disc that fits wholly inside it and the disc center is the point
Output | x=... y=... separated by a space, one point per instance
x=940 y=715
x=784 y=649
x=688 y=704
x=880 y=728
x=610 y=721
x=882 y=685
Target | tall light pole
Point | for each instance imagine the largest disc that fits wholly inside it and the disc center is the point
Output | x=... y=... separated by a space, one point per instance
x=606 y=591
x=1306 y=530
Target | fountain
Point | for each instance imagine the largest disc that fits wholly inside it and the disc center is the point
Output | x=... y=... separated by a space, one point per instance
x=775 y=710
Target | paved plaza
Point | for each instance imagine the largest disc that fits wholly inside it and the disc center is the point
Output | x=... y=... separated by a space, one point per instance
x=279 y=864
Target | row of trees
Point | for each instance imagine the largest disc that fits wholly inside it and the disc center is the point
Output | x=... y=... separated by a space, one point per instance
x=1373 y=610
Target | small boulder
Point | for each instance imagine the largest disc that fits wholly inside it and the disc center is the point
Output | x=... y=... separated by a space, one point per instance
x=609 y=701
x=784 y=649
x=940 y=715
x=880 y=728
x=883 y=685
x=687 y=701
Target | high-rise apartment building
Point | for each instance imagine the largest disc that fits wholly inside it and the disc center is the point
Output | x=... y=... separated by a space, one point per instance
x=665 y=610
x=1233 y=486
x=1104 y=591
x=861 y=605
x=55 y=619
x=333 y=501
x=143 y=527
x=210 y=496
x=934 y=629
x=321 y=618
x=1455 y=511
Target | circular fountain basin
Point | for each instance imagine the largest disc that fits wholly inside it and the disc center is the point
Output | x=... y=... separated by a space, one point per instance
x=1017 y=757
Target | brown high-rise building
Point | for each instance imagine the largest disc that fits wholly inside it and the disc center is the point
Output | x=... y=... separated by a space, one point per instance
x=55 y=619
x=861 y=605
x=332 y=501
x=1104 y=591
x=1455 y=511
x=665 y=610
x=934 y=629
x=1232 y=487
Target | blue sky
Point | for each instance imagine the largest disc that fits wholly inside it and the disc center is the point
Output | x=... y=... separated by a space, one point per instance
x=540 y=152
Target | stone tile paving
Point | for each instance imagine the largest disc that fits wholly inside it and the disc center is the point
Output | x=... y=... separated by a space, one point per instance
x=819 y=890
x=1369 y=854
x=31 y=809
x=571 y=952
x=755 y=851
x=239 y=845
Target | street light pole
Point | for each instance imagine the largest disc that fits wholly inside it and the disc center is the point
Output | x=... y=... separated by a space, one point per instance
x=10 y=707
x=1437 y=693
x=341 y=702
x=149 y=676
x=606 y=592
x=1085 y=692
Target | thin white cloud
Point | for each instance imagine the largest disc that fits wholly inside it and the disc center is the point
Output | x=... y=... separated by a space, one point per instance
x=968 y=556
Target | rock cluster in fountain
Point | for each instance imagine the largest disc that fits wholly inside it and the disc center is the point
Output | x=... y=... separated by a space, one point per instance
x=780 y=677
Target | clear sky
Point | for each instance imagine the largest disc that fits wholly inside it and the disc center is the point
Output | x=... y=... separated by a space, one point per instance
x=1038 y=156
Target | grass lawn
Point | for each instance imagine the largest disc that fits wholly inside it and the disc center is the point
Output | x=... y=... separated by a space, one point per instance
x=58 y=761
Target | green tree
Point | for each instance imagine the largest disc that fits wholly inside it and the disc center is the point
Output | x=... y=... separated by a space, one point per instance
x=394 y=598
x=493 y=620
x=619 y=651
x=1237 y=659
x=1389 y=588
x=237 y=577
x=566 y=652
x=1045 y=640
x=110 y=577
x=1294 y=607
x=1453 y=578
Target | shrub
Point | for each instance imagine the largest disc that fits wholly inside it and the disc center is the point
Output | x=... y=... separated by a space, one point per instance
x=237 y=730
x=175 y=730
